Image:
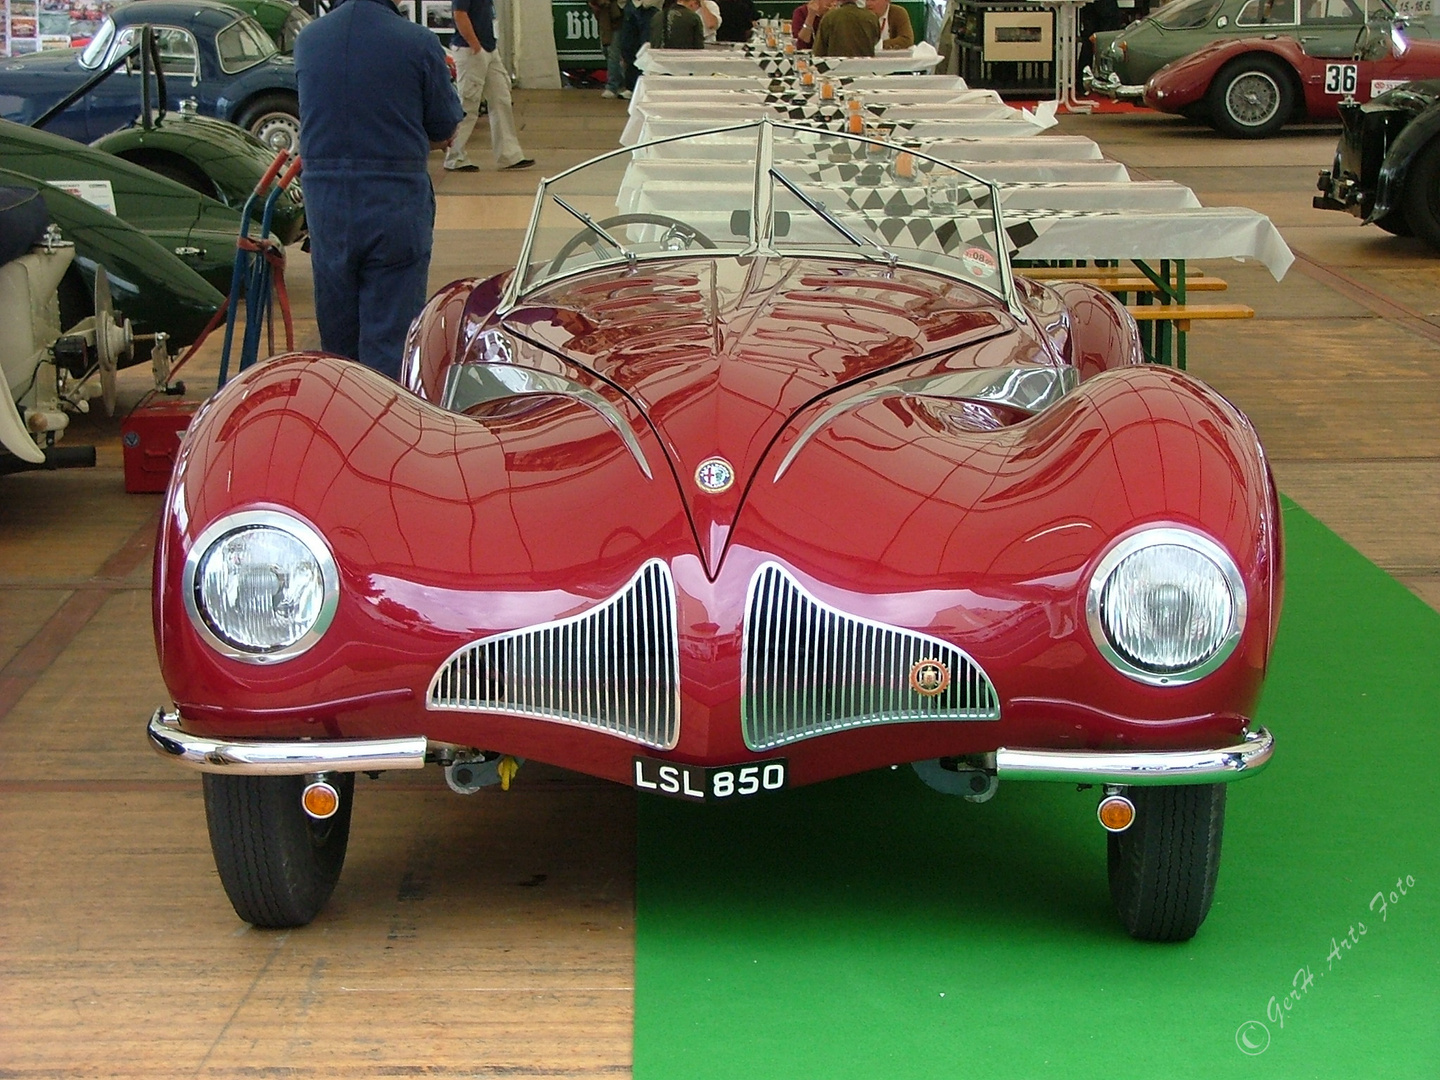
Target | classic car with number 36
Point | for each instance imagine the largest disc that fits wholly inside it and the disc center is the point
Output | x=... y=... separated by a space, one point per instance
x=1252 y=87
x=801 y=482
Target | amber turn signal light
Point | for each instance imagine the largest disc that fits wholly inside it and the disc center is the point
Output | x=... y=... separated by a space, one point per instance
x=1116 y=813
x=320 y=800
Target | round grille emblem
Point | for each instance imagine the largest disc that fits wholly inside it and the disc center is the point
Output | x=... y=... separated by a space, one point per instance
x=714 y=475
x=929 y=678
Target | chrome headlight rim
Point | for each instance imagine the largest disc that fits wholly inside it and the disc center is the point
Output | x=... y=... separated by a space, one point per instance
x=1163 y=536
x=238 y=522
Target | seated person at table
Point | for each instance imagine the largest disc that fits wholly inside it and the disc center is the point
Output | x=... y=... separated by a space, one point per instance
x=848 y=29
x=737 y=20
x=677 y=26
x=895 y=29
x=710 y=19
x=805 y=19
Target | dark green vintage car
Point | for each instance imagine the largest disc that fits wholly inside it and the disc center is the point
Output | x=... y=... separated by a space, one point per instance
x=1125 y=59
x=281 y=19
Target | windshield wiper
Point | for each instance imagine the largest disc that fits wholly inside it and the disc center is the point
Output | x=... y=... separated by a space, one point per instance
x=835 y=223
x=590 y=224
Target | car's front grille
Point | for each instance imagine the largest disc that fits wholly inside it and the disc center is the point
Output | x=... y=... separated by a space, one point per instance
x=615 y=668
x=809 y=669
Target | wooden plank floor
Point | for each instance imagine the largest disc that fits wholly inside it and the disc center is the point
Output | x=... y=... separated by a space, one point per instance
x=494 y=935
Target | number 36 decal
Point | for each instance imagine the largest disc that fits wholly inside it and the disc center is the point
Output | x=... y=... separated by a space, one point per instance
x=699 y=784
x=1341 y=78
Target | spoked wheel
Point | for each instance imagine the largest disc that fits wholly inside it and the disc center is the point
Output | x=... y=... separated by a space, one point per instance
x=1163 y=868
x=683 y=236
x=274 y=119
x=278 y=865
x=1252 y=97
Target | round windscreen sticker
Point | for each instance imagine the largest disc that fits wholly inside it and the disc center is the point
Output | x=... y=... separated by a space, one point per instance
x=979 y=262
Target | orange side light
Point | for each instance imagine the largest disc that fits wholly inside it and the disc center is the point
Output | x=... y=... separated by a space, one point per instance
x=320 y=800
x=1116 y=813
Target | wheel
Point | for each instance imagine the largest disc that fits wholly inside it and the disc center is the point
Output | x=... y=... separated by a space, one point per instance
x=177 y=169
x=1420 y=201
x=277 y=864
x=686 y=234
x=274 y=119
x=1252 y=97
x=1163 y=868
x=1395 y=224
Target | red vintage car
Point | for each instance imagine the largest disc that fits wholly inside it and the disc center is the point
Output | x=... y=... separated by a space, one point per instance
x=804 y=484
x=1251 y=87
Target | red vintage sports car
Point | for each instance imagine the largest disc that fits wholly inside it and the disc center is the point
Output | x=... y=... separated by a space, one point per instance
x=1250 y=88
x=805 y=484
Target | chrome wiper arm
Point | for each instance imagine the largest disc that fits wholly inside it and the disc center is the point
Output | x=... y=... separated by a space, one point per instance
x=830 y=219
x=590 y=223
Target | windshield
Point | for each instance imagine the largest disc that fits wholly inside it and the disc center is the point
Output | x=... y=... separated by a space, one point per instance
x=1187 y=14
x=98 y=44
x=243 y=44
x=771 y=189
x=296 y=21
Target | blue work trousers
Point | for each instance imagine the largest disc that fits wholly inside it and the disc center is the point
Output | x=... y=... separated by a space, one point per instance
x=370 y=240
x=634 y=32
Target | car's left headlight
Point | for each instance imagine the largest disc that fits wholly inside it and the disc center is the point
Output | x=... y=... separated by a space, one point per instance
x=260 y=586
x=1166 y=606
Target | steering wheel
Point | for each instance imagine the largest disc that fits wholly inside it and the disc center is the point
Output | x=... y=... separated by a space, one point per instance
x=688 y=235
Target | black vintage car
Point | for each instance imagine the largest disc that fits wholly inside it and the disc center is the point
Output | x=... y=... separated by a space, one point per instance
x=1387 y=166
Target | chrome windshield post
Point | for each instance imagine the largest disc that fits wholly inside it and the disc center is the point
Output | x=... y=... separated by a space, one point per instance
x=762 y=207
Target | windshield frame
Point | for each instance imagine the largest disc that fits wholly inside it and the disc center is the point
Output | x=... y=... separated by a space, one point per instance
x=220 y=52
x=761 y=238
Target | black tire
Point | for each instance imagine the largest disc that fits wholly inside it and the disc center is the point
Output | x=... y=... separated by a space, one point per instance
x=278 y=865
x=177 y=169
x=1252 y=97
x=1163 y=868
x=1420 y=201
x=274 y=119
x=1395 y=224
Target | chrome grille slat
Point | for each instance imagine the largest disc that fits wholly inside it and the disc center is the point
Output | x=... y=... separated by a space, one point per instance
x=614 y=668
x=808 y=668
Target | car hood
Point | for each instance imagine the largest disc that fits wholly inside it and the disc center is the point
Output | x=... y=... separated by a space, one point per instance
x=721 y=355
x=48 y=61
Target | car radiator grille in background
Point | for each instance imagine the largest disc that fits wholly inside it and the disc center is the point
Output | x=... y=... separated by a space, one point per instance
x=809 y=669
x=615 y=668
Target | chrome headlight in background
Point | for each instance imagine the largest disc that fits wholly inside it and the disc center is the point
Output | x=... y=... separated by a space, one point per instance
x=260 y=586
x=1166 y=606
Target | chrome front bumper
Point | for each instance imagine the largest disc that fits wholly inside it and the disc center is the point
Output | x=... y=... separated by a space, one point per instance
x=1139 y=767
x=1132 y=767
x=1110 y=86
x=296 y=756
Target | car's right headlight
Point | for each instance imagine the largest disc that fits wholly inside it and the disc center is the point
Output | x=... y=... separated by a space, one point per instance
x=260 y=586
x=1166 y=606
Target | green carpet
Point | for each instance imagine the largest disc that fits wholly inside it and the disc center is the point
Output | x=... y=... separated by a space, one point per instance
x=872 y=928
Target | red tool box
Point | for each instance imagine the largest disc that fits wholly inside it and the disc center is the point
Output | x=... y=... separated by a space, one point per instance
x=150 y=437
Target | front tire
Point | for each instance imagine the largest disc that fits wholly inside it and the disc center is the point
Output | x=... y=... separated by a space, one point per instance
x=277 y=864
x=1163 y=868
x=274 y=119
x=1420 y=201
x=1252 y=97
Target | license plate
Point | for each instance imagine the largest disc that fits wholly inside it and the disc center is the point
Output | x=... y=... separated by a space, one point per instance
x=699 y=784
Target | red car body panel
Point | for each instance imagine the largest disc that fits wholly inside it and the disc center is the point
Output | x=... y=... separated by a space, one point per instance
x=970 y=522
x=1186 y=82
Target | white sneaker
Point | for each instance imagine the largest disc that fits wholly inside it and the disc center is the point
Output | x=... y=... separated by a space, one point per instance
x=624 y=94
x=607 y=93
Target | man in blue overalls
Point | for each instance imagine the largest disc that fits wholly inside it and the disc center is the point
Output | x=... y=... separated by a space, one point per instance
x=375 y=99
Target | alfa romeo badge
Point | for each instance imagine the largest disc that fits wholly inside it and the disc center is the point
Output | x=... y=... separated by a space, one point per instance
x=929 y=678
x=714 y=475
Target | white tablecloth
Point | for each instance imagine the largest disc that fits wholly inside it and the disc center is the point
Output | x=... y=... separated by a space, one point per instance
x=656 y=92
x=830 y=115
x=741 y=147
x=1017 y=171
x=733 y=61
x=865 y=83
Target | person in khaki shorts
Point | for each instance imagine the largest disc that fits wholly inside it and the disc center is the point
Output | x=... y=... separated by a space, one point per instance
x=480 y=75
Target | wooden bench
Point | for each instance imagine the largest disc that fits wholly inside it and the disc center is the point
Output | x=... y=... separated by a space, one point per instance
x=1182 y=314
x=1119 y=281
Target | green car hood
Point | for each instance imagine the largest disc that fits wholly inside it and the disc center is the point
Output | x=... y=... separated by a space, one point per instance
x=148 y=284
x=230 y=158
